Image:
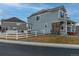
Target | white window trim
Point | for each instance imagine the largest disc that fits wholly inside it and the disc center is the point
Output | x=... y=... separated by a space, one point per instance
x=59 y=14
x=38 y=16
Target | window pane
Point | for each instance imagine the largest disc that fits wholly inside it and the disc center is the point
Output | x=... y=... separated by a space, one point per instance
x=37 y=18
x=68 y=29
x=62 y=14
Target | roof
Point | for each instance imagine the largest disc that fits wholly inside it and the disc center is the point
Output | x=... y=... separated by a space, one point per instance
x=69 y=20
x=47 y=10
x=13 y=19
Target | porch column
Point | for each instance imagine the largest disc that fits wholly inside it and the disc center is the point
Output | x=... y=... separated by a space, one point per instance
x=74 y=27
x=65 y=27
x=64 y=30
x=70 y=27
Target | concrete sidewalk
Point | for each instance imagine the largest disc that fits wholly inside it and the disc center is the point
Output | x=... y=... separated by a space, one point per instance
x=72 y=46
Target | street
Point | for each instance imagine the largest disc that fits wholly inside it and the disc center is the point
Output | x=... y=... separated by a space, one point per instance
x=8 y=49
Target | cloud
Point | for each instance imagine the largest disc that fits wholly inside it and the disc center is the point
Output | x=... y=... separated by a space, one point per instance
x=40 y=5
x=72 y=11
x=72 y=8
x=2 y=14
x=13 y=4
x=35 y=6
x=1 y=11
x=21 y=5
x=77 y=24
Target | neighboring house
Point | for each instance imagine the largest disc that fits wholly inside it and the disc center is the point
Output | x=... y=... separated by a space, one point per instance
x=77 y=30
x=52 y=20
x=12 y=24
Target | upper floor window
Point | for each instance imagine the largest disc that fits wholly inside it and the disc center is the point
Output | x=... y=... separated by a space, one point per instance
x=37 y=18
x=62 y=14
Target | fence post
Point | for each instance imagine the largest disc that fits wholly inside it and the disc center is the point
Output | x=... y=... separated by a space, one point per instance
x=35 y=33
x=26 y=35
x=1 y=34
x=16 y=35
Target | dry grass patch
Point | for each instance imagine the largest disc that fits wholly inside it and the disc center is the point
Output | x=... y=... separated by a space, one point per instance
x=45 y=38
x=55 y=39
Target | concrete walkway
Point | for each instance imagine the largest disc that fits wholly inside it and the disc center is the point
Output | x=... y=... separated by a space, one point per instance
x=72 y=46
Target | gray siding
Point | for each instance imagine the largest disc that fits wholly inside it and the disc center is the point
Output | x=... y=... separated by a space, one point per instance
x=45 y=19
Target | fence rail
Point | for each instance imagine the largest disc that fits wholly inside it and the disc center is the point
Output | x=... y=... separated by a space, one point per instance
x=15 y=35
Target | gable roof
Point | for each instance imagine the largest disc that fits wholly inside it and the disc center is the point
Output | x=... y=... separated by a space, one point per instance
x=47 y=10
x=13 y=19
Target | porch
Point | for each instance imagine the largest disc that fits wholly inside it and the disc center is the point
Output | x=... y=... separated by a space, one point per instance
x=71 y=27
x=64 y=27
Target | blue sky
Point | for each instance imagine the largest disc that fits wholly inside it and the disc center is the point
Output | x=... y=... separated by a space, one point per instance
x=23 y=10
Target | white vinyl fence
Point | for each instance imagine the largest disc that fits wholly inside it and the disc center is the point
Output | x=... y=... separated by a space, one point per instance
x=17 y=34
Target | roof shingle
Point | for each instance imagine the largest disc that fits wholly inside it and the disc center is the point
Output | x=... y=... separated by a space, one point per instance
x=13 y=19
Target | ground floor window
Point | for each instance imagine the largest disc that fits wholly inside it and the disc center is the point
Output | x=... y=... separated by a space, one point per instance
x=14 y=28
x=68 y=29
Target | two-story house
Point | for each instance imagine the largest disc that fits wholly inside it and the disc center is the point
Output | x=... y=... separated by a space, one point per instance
x=52 y=20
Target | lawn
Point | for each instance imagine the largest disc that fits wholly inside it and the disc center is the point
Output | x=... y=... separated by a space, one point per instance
x=55 y=39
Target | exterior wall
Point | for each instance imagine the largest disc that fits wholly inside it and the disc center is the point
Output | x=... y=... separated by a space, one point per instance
x=17 y=25
x=48 y=19
x=56 y=28
x=45 y=19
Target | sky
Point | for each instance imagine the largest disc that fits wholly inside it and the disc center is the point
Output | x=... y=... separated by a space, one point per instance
x=23 y=10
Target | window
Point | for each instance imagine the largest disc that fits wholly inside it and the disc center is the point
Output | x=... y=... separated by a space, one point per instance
x=30 y=26
x=14 y=28
x=45 y=26
x=62 y=27
x=37 y=18
x=18 y=24
x=68 y=29
x=62 y=14
x=72 y=30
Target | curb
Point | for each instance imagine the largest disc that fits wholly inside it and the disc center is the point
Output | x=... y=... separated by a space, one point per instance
x=71 y=46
